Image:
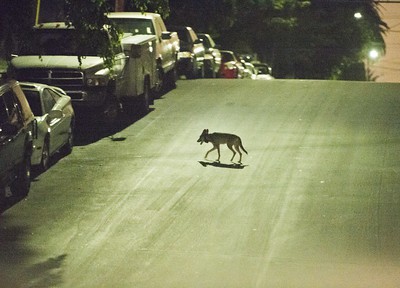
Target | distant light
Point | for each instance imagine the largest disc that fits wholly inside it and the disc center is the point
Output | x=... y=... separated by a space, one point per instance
x=357 y=15
x=373 y=54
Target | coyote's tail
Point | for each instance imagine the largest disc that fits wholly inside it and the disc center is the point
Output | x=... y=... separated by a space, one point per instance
x=241 y=146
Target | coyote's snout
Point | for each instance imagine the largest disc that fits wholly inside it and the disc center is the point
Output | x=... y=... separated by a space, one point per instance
x=222 y=138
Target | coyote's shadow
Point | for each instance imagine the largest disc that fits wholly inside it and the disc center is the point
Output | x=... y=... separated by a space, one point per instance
x=222 y=165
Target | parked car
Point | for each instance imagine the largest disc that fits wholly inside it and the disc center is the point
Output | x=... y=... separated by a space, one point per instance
x=231 y=67
x=50 y=56
x=55 y=120
x=166 y=47
x=262 y=68
x=192 y=52
x=17 y=132
x=250 y=71
x=212 y=60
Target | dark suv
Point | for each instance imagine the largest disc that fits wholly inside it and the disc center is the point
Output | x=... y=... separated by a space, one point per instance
x=17 y=129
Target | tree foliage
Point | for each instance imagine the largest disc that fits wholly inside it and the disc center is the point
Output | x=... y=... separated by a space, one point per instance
x=300 y=38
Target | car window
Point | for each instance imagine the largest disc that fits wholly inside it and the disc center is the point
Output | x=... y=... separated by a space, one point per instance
x=11 y=106
x=193 y=35
x=134 y=26
x=206 y=41
x=183 y=35
x=48 y=100
x=34 y=101
x=55 y=95
x=3 y=112
x=226 y=57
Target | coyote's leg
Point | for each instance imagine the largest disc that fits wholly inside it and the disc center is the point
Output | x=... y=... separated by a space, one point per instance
x=233 y=151
x=212 y=149
x=240 y=153
x=219 y=153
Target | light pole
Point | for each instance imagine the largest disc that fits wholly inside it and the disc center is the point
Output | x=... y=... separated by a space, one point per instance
x=37 y=12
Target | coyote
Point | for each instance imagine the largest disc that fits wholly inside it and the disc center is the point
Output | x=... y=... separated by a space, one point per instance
x=222 y=138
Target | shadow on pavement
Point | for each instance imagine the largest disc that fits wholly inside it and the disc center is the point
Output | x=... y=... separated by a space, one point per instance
x=89 y=130
x=222 y=165
x=16 y=265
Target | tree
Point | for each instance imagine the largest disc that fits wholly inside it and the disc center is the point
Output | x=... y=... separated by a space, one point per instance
x=299 y=38
x=331 y=43
x=87 y=16
x=302 y=39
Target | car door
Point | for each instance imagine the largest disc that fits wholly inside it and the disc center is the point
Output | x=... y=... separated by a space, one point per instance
x=12 y=144
x=49 y=99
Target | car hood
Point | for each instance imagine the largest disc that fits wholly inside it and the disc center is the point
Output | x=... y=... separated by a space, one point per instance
x=64 y=62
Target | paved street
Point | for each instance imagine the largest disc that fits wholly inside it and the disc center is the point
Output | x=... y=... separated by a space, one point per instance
x=315 y=204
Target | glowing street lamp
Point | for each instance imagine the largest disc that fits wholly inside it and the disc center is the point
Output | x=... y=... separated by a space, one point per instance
x=357 y=15
x=373 y=54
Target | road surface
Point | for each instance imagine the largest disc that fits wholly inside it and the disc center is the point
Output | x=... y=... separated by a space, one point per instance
x=316 y=202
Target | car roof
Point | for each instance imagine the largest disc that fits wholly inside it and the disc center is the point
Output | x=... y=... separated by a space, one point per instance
x=145 y=15
x=53 y=25
x=39 y=87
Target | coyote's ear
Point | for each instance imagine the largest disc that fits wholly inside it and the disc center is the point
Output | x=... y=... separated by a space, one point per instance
x=206 y=130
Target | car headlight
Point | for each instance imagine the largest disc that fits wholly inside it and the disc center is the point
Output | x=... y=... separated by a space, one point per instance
x=96 y=81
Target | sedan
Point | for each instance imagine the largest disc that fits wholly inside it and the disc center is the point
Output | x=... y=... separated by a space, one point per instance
x=231 y=67
x=55 y=120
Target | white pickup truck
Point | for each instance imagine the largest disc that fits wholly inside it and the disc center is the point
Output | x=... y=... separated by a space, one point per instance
x=92 y=86
x=167 y=43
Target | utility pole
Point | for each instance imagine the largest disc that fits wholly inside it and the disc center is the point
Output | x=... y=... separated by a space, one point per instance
x=37 y=12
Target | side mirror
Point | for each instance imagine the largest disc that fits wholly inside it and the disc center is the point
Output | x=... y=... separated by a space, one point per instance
x=166 y=35
x=54 y=114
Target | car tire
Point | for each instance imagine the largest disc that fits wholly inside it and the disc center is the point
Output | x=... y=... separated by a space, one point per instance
x=68 y=146
x=145 y=98
x=45 y=158
x=201 y=72
x=2 y=198
x=193 y=71
x=22 y=182
x=171 y=79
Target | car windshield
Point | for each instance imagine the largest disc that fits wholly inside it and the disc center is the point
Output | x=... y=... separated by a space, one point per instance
x=226 y=57
x=57 y=42
x=134 y=26
x=34 y=101
x=208 y=42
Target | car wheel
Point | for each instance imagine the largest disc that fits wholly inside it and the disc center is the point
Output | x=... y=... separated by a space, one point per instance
x=160 y=81
x=145 y=98
x=2 y=198
x=172 y=76
x=111 y=109
x=45 y=160
x=201 y=71
x=22 y=182
x=193 y=71
x=67 y=148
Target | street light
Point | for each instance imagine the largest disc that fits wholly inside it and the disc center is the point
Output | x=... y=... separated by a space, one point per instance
x=373 y=54
x=357 y=15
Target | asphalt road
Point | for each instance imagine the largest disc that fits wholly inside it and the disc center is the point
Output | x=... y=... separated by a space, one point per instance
x=315 y=204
